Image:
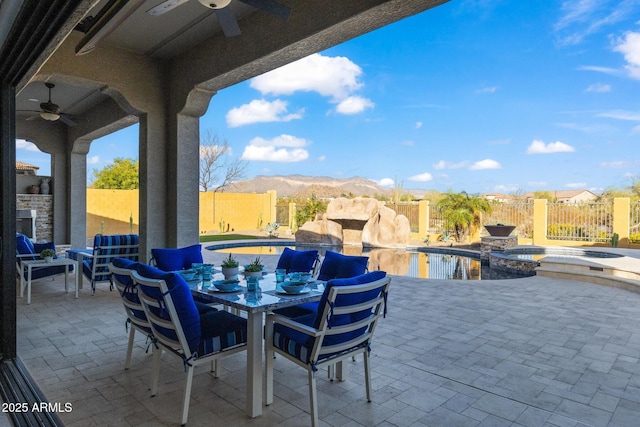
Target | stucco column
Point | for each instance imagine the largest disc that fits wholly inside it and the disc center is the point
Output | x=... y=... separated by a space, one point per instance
x=77 y=195
x=621 y=219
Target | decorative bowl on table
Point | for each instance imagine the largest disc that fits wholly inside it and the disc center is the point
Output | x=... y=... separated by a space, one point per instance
x=293 y=287
x=188 y=275
x=305 y=277
x=225 y=285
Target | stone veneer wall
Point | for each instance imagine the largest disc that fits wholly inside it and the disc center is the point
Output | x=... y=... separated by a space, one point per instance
x=43 y=204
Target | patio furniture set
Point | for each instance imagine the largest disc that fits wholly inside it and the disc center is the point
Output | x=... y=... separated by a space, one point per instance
x=331 y=320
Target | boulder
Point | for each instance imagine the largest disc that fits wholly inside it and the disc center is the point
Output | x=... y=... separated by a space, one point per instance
x=360 y=222
x=322 y=232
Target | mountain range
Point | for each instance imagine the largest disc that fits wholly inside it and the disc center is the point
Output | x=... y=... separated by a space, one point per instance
x=304 y=186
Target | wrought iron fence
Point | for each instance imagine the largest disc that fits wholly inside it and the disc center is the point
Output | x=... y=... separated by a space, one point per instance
x=519 y=214
x=634 y=223
x=591 y=221
x=282 y=214
x=409 y=209
x=436 y=220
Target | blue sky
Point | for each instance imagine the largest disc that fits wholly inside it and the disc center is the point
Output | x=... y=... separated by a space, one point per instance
x=482 y=96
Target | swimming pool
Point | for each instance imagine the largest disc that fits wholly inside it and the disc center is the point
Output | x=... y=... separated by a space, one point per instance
x=435 y=263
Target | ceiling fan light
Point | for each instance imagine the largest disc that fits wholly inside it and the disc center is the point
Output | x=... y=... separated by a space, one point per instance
x=52 y=117
x=215 y=4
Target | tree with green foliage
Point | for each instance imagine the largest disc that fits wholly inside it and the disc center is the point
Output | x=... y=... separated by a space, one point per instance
x=310 y=209
x=462 y=211
x=544 y=195
x=122 y=174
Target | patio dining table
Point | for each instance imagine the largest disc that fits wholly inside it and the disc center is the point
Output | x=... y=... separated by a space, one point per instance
x=268 y=297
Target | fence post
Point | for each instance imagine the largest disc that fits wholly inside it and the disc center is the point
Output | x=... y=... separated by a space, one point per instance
x=621 y=219
x=423 y=219
x=540 y=222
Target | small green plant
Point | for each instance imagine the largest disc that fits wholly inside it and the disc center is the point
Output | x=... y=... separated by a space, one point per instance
x=229 y=262
x=614 y=240
x=131 y=223
x=101 y=227
x=46 y=253
x=254 y=266
x=427 y=240
x=221 y=225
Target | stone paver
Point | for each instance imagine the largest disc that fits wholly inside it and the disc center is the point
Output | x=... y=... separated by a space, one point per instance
x=527 y=352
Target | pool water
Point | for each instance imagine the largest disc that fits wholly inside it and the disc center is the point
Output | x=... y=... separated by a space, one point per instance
x=419 y=264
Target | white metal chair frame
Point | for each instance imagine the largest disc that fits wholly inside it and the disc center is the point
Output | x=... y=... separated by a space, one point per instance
x=179 y=347
x=344 y=350
x=134 y=322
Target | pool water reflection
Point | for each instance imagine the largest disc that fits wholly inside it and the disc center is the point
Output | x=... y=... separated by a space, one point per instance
x=419 y=264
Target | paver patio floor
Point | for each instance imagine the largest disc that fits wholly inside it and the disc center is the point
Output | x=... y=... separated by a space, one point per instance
x=526 y=352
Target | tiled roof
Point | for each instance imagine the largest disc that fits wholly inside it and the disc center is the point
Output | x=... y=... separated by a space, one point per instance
x=21 y=166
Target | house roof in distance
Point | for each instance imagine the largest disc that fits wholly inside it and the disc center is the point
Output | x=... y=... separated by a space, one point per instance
x=22 y=167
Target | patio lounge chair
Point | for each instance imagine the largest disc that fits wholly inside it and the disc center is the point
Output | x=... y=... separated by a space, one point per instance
x=95 y=265
x=342 y=328
x=180 y=329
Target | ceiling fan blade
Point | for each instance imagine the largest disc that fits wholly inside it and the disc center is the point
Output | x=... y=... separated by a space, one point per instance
x=64 y=118
x=270 y=6
x=228 y=22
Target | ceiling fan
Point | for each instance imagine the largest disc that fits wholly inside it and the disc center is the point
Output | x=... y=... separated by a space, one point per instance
x=225 y=16
x=50 y=111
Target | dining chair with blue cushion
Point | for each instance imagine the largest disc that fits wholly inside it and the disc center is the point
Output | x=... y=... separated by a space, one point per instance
x=172 y=259
x=296 y=261
x=342 y=328
x=136 y=321
x=334 y=266
x=181 y=330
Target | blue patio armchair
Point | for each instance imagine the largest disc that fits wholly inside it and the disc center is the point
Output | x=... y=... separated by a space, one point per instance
x=28 y=251
x=95 y=265
x=181 y=330
x=342 y=328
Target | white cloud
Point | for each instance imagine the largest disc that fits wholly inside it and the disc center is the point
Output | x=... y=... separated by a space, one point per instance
x=423 y=177
x=598 y=88
x=353 y=105
x=506 y=188
x=537 y=184
x=629 y=46
x=539 y=147
x=598 y=69
x=418 y=125
x=615 y=164
x=336 y=77
x=322 y=158
x=442 y=164
x=22 y=144
x=581 y=18
x=283 y=148
x=93 y=160
x=621 y=115
x=490 y=89
x=386 y=182
x=260 y=111
x=576 y=185
x=485 y=164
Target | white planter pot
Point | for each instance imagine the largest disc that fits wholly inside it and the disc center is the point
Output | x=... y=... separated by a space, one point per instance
x=230 y=273
x=253 y=274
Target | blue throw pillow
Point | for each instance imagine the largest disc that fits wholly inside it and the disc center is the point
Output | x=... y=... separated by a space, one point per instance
x=302 y=261
x=24 y=246
x=170 y=259
x=297 y=261
x=182 y=299
x=335 y=266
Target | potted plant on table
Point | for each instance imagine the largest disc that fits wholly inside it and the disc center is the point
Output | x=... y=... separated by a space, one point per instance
x=254 y=269
x=230 y=268
x=47 y=255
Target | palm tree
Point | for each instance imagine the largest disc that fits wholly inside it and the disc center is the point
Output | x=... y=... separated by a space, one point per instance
x=462 y=211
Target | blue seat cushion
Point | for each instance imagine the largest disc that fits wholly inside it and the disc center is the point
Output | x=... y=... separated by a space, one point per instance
x=337 y=266
x=221 y=330
x=298 y=310
x=297 y=261
x=40 y=272
x=39 y=247
x=183 y=301
x=170 y=259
